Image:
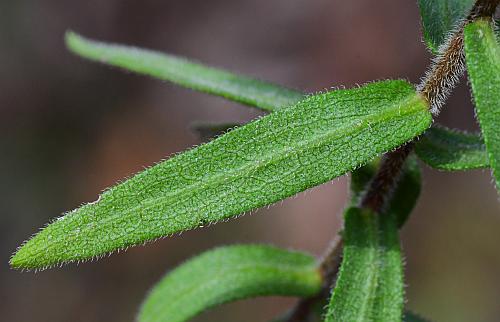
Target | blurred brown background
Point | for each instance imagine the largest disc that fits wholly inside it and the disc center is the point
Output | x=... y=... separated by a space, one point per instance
x=70 y=128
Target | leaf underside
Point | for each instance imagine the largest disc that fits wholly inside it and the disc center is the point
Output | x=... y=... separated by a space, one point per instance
x=369 y=285
x=181 y=71
x=228 y=274
x=440 y=17
x=482 y=53
x=270 y=159
x=451 y=150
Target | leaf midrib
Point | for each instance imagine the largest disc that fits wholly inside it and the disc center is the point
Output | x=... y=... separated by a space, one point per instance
x=269 y=158
x=274 y=156
x=371 y=284
x=412 y=107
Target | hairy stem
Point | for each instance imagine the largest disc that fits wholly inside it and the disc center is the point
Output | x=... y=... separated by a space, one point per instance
x=435 y=87
x=449 y=64
x=385 y=179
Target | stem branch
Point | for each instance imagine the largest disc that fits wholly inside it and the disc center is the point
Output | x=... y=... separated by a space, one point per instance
x=435 y=87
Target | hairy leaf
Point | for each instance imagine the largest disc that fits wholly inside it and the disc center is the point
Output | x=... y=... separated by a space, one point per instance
x=401 y=203
x=228 y=274
x=369 y=286
x=482 y=53
x=186 y=73
x=440 y=17
x=451 y=150
x=270 y=159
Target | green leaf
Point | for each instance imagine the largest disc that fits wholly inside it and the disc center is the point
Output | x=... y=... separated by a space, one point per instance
x=402 y=202
x=370 y=283
x=360 y=179
x=268 y=160
x=440 y=17
x=405 y=195
x=451 y=150
x=228 y=274
x=209 y=131
x=412 y=317
x=369 y=286
x=482 y=53
x=181 y=71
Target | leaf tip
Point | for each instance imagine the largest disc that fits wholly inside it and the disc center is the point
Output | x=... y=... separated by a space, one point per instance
x=31 y=255
x=72 y=40
x=21 y=259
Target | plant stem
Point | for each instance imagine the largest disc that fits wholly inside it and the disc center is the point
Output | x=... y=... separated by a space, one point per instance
x=440 y=79
x=385 y=179
x=449 y=64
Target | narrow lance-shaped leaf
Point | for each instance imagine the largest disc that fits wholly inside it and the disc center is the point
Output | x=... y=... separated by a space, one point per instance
x=482 y=53
x=440 y=17
x=452 y=150
x=181 y=71
x=404 y=198
x=275 y=157
x=370 y=283
x=360 y=178
x=228 y=274
x=369 y=286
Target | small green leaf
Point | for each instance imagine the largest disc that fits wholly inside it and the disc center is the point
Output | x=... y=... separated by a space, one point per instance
x=227 y=274
x=268 y=160
x=209 y=131
x=440 y=17
x=360 y=178
x=369 y=286
x=405 y=195
x=401 y=204
x=412 y=317
x=482 y=53
x=181 y=71
x=451 y=150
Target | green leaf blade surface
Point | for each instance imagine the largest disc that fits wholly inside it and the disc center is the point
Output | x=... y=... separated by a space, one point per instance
x=451 y=150
x=268 y=160
x=369 y=286
x=482 y=53
x=440 y=17
x=181 y=71
x=227 y=274
x=407 y=191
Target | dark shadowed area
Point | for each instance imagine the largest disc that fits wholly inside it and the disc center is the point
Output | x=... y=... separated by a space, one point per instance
x=70 y=128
